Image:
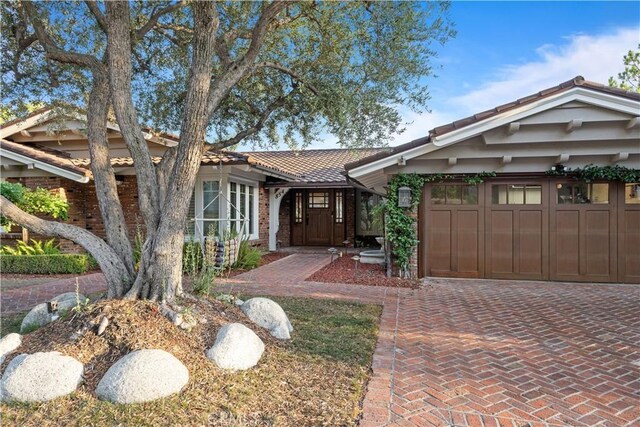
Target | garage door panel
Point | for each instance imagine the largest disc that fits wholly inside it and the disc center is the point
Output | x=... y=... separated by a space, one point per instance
x=630 y=245
x=440 y=240
x=468 y=241
x=567 y=243
x=501 y=247
x=531 y=242
x=596 y=234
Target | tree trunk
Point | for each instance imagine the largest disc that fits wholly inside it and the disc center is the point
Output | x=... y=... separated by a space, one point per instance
x=104 y=178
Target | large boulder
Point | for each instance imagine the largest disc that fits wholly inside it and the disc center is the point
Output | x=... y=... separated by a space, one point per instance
x=269 y=315
x=237 y=347
x=40 y=377
x=8 y=343
x=142 y=376
x=39 y=316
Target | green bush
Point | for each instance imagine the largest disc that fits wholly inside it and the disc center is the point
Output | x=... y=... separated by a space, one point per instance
x=47 y=264
x=248 y=256
x=37 y=247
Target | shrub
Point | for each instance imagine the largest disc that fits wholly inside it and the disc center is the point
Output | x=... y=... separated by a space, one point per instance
x=37 y=247
x=248 y=256
x=192 y=258
x=47 y=264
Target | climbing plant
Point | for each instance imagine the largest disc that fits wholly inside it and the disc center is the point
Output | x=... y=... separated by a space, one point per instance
x=33 y=201
x=598 y=173
x=401 y=230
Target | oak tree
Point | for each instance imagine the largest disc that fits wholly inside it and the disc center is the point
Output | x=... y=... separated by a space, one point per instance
x=218 y=73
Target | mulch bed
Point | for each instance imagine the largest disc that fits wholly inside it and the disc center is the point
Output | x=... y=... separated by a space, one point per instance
x=267 y=258
x=286 y=388
x=343 y=270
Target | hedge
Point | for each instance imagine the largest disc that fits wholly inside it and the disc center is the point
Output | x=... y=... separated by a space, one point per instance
x=47 y=264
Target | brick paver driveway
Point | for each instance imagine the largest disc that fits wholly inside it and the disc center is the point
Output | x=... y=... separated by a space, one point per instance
x=471 y=352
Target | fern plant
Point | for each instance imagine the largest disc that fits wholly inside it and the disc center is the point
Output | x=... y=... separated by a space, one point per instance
x=37 y=247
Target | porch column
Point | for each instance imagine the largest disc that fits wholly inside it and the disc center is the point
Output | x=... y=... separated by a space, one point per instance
x=275 y=198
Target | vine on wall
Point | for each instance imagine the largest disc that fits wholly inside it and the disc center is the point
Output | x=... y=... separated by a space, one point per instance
x=598 y=173
x=401 y=230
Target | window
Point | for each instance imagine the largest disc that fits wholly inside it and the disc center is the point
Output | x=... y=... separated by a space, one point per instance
x=582 y=193
x=366 y=223
x=457 y=194
x=339 y=218
x=243 y=209
x=210 y=207
x=298 y=207
x=632 y=193
x=516 y=194
x=319 y=200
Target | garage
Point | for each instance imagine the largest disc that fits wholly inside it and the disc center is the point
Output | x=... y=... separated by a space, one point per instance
x=537 y=229
x=527 y=216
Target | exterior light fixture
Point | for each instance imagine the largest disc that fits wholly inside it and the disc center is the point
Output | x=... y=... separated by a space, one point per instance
x=404 y=197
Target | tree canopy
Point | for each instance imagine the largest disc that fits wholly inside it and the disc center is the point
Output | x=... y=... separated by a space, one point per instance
x=629 y=79
x=223 y=71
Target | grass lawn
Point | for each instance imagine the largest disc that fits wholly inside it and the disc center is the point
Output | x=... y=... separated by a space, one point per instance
x=318 y=378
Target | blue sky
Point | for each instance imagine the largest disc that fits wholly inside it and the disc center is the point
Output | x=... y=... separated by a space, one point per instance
x=507 y=50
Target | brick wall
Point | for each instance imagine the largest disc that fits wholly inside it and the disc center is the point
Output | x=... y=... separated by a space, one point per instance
x=263 y=215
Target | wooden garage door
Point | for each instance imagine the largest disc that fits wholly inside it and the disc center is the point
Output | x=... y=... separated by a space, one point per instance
x=517 y=231
x=629 y=233
x=583 y=228
x=454 y=231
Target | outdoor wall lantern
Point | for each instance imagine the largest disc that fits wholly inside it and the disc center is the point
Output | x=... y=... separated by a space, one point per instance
x=404 y=197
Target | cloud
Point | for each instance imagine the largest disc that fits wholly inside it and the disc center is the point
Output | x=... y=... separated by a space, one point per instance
x=596 y=58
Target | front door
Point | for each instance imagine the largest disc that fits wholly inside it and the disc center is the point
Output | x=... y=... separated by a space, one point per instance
x=317 y=217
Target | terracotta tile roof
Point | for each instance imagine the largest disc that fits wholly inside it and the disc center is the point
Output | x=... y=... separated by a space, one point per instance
x=44 y=157
x=578 y=81
x=325 y=165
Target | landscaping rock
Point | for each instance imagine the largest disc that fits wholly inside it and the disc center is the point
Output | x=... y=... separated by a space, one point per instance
x=40 y=377
x=8 y=344
x=237 y=347
x=268 y=314
x=142 y=376
x=39 y=316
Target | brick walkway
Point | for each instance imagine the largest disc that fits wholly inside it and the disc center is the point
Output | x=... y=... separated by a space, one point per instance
x=480 y=352
x=26 y=297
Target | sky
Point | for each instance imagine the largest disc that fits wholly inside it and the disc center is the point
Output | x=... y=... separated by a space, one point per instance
x=506 y=50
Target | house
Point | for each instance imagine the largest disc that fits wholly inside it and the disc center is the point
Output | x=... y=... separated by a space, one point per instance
x=272 y=198
x=521 y=224
x=526 y=223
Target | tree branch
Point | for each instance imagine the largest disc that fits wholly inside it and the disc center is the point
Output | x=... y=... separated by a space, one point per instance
x=262 y=119
x=153 y=20
x=97 y=13
x=51 y=48
x=286 y=70
x=240 y=68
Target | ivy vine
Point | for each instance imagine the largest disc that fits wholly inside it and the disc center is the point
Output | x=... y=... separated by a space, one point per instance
x=598 y=173
x=401 y=230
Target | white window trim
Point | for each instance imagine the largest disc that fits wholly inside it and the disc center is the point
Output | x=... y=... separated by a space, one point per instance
x=255 y=233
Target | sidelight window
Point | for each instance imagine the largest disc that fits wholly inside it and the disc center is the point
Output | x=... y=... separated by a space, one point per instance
x=298 y=207
x=339 y=218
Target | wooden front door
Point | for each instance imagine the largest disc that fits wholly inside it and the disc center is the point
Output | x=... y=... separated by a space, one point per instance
x=318 y=217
